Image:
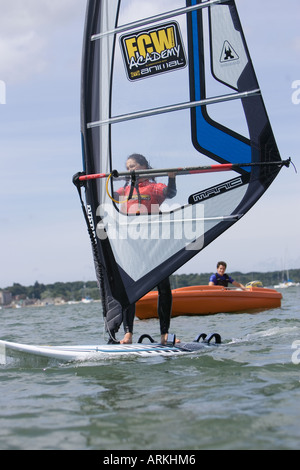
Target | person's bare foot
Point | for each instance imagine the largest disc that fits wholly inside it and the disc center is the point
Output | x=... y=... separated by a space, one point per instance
x=163 y=339
x=127 y=339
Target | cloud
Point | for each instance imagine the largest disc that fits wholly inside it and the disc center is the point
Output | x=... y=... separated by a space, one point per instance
x=27 y=28
x=21 y=56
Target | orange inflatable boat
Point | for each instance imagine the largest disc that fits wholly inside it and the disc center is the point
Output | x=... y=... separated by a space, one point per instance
x=207 y=300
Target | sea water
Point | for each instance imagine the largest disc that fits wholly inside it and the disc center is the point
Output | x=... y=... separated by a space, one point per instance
x=243 y=394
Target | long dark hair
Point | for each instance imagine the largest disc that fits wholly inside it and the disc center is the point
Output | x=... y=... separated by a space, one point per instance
x=141 y=160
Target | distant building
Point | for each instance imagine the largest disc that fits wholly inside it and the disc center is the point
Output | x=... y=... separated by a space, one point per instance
x=5 y=297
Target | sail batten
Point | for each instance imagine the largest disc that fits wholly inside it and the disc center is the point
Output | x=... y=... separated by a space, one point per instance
x=154 y=19
x=221 y=218
x=189 y=72
x=174 y=107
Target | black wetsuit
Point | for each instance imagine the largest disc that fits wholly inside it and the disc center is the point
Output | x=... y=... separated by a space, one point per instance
x=164 y=309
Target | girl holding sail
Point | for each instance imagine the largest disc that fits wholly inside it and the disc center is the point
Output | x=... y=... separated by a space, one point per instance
x=145 y=197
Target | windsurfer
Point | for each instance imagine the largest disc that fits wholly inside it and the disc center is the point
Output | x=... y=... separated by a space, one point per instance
x=145 y=196
x=220 y=278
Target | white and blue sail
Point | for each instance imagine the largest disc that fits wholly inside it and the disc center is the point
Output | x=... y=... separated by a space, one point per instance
x=172 y=80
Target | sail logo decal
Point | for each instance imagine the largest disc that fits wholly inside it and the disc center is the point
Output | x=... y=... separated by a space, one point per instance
x=91 y=219
x=153 y=51
x=218 y=189
x=228 y=53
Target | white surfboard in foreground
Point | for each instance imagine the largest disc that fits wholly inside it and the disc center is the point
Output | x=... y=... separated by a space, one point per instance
x=97 y=352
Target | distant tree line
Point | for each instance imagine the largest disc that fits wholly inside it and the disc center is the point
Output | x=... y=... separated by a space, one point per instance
x=66 y=290
x=268 y=279
x=79 y=289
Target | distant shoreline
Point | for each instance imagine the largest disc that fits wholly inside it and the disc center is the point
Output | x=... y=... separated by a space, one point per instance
x=66 y=292
x=277 y=276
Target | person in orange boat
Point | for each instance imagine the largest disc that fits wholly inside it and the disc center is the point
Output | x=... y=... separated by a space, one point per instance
x=220 y=278
x=144 y=197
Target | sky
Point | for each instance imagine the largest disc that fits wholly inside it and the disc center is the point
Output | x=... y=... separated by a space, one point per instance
x=43 y=236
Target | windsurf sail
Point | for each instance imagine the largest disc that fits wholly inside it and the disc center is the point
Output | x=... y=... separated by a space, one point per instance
x=172 y=81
